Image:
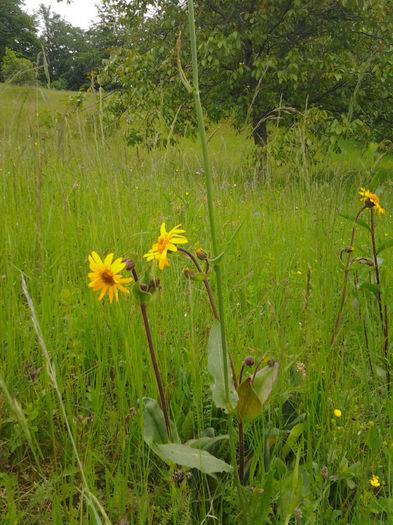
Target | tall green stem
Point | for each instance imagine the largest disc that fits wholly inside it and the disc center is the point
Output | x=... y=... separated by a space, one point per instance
x=217 y=269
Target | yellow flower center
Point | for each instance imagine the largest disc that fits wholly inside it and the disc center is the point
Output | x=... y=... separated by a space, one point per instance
x=163 y=240
x=107 y=277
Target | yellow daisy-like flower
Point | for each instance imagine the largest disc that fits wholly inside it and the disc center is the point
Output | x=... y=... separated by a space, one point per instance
x=371 y=200
x=337 y=412
x=166 y=243
x=105 y=276
x=374 y=481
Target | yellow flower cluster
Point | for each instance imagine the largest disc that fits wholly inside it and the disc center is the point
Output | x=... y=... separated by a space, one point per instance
x=371 y=200
x=374 y=481
x=166 y=243
x=105 y=276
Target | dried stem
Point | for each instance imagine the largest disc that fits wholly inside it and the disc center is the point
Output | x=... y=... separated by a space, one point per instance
x=344 y=292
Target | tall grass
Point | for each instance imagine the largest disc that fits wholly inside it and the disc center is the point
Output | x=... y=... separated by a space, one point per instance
x=61 y=198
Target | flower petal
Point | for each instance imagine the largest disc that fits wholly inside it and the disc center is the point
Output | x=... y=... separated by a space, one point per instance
x=108 y=259
x=123 y=289
x=104 y=289
x=96 y=258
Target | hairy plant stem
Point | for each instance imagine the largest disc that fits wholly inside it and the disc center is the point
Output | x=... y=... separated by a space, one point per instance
x=344 y=292
x=211 y=300
x=383 y=318
x=153 y=359
x=205 y=281
x=217 y=269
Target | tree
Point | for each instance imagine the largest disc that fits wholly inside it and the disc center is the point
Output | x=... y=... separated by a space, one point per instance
x=17 y=30
x=71 y=52
x=259 y=55
x=16 y=69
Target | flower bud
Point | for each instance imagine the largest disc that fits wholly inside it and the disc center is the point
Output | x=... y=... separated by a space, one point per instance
x=188 y=273
x=201 y=254
x=249 y=361
x=130 y=264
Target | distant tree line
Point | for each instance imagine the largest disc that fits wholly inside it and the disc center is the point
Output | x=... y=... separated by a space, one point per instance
x=67 y=53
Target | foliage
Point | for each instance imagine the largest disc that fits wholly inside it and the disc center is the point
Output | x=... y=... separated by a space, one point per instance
x=71 y=52
x=16 y=69
x=255 y=57
x=17 y=30
x=282 y=281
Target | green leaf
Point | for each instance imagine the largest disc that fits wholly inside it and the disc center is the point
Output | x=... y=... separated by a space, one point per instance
x=198 y=277
x=154 y=429
x=293 y=436
x=191 y=457
x=387 y=244
x=215 y=365
x=264 y=381
x=249 y=406
x=141 y=295
x=206 y=443
x=359 y=221
x=374 y=288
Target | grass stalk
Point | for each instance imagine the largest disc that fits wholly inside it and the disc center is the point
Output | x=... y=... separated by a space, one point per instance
x=92 y=501
x=217 y=268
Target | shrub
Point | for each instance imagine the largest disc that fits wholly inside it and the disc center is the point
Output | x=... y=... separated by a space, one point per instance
x=16 y=69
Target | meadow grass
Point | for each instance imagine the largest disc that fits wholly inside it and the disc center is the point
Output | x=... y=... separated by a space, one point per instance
x=63 y=193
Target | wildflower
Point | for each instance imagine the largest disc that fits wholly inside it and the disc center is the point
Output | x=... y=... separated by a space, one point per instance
x=201 y=254
x=370 y=200
x=166 y=243
x=105 y=275
x=337 y=412
x=374 y=481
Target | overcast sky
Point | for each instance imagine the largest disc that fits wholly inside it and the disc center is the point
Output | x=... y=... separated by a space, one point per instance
x=79 y=13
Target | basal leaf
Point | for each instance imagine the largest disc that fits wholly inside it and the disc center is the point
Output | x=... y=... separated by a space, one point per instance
x=206 y=443
x=191 y=457
x=154 y=429
x=264 y=381
x=249 y=406
x=215 y=364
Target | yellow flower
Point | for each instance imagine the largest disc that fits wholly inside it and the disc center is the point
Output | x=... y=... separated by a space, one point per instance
x=374 y=481
x=337 y=412
x=370 y=200
x=105 y=275
x=166 y=243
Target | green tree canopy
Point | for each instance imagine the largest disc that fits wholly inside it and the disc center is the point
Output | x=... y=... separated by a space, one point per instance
x=256 y=56
x=17 y=30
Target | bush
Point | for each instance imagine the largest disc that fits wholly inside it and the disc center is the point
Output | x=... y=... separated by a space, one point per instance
x=16 y=69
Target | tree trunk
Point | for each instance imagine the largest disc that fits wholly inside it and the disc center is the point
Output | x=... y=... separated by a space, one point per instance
x=259 y=132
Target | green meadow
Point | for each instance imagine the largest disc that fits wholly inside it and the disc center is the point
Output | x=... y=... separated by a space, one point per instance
x=69 y=185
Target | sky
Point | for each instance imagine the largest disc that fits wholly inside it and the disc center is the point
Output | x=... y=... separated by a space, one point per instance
x=79 y=13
